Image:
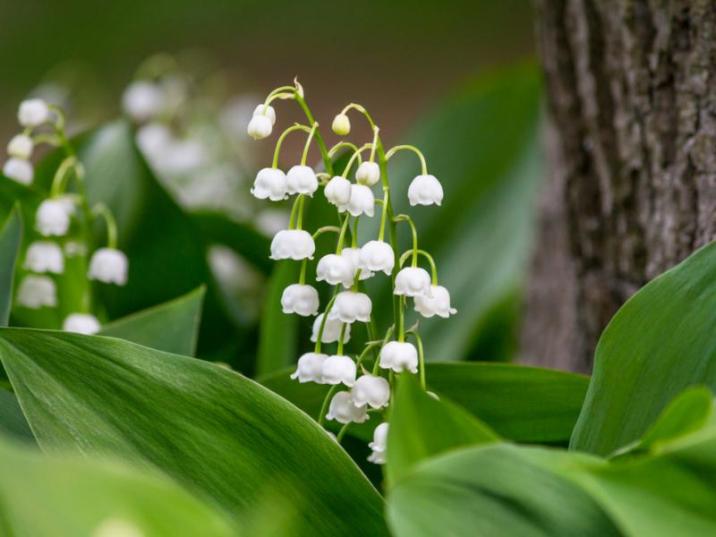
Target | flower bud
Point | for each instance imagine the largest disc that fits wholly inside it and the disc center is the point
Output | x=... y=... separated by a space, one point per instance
x=53 y=216
x=81 y=323
x=351 y=306
x=301 y=180
x=108 y=265
x=270 y=183
x=377 y=255
x=300 y=299
x=338 y=191
x=266 y=110
x=143 y=100
x=412 y=281
x=331 y=330
x=33 y=113
x=344 y=411
x=309 y=368
x=293 y=244
x=260 y=127
x=335 y=269
x=339 y=370
x=368 y=173
x=372 y=391
x=20 y=146
x=399 y=356
x=19 y=170
x=37 y=291
x=362 y=201
x=44 y=256
x=425 y=190
x=341 y=125
x=379 y=445
x=353 y=255
x=437 y=304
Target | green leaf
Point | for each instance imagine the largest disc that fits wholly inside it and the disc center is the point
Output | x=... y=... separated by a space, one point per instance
x=422 y=427
x=171 y=327
x=12 y=420
x=10 y=238
x=213 y=430
x=659 y=343
x=79 y=496
x=493 y=491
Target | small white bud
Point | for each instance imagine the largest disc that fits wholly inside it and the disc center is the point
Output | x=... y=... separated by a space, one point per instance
x=339 y=370
x=53 y=216
x=44 y=256
x=437 y=304
x=335 y=269
x=310 y=368
x=376 y=256
x=368 y=173
x=399 y=356
x=81 y=323
x=344 y=411
x=270 y=183
x=108 y=265
x=300 y=299
x=379 y=445
x=301 y=180
x=260 y=127
x=331 y=330
x=338 y=191
x=425 y=190
x=19 y=170
x=143 y=100
x=293 y=244
x=36 y=292
x=341 y=125
x=353 y=255
x=20 y=146
x=33 y=113
x=372 y=391
x=412 y=281
x=350 y=307
x=362 y=201
x=266 y=110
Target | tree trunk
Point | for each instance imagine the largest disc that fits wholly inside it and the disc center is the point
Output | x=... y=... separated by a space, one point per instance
x=631 y=90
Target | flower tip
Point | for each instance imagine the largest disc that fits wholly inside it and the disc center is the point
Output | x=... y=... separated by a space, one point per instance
x=341 y=125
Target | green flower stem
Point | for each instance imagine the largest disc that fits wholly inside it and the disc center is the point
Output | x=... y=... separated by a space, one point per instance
x=394 y=150
x=342 y=432
x=324 y=405
x=59 y=181
x=306 y=147
x=388 y=335
x=294 y=210
x=302 y=275
x=277 y=150
x=299 y=217
x=384 y=213
x=406 y=218
x=421 y=357
x=339 y=145
x=325 y=229
x=319 y=339
x=342 y=235
x=341 y=336
x=327 y=162
x=101 y=210
x=356 y=155
x=426 y=255
x=354 y=234
x=401 y=319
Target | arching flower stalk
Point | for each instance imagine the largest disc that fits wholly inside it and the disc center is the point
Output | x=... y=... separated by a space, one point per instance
x=359 y=388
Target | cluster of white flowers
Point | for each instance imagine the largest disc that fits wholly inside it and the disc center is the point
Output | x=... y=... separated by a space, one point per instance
x=44 y=257
x=368 y=389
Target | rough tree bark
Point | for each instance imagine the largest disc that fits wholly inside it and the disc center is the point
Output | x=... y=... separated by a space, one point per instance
x=631 y=88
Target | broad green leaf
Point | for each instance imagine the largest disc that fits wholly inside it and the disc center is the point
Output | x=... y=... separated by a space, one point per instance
x=213 y=430
x=12 y=421
x=659 y=343
x=422 y=426
x=55 y=495
x=10 y=237
x=171 y=327
x=493 y=491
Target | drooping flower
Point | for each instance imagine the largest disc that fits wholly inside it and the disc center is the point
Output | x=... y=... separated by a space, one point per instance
x=412 y=281
x=351 y=306
x=331 y=330
x=143 y=100
x=44 y=256
x=362 y=201
x=425 y=190
x=109 y=265
x=335 y=269
x=33 y=113
x=266 y=110
x=341 y=125
x=53 y=216
x=262 y=122
x=338 y=191
x=310 y=368
x=353 y=255
x=379 y=445
x=301 y=179
x=37 y=292
x=338 y=369
x=270 y=183
x=20 y=146
x=376 y=256
x=368 y=173
x=399 y=356
x=344 y=411
x=437 y=304
x=371 y=390
x=300 y=299
x=81 y=323
x=19 y=170
x=293 y=244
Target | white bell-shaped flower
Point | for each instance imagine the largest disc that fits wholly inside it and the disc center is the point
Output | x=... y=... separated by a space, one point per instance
x=399 y=356
x=53 y=216
x=36 y=292
x=362 y=201
x=379 y=445
x=262 y=122
x=293 y=244
x=301 y=180
x=266 y=110
x=108 y=265
x=425 y=190
x=310 y=368
x=412 y=281
x=339 y=370
x=301 y=299
x=335 y=269
x=368 y=173
x=44 y=256
x=344 y=411
x=19 y=170
x=353 y=255
x=81 y=323
x=341 y=125
x=331 y=330
x=351 y=306
x=143 y=100
x=338 y=191
x=372 y=391
x=20 y=146
x=376 y=256
x=270 y=183
x=436 y=304
x=33 y=113
x=155 y=140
